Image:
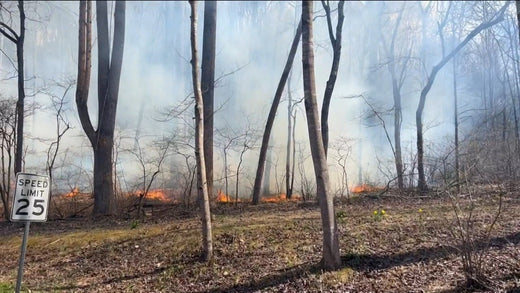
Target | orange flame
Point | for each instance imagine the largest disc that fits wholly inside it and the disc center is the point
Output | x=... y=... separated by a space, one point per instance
x=282 y=197
x=276 y=198
x=222 y=197
x=156 y=194
x=364 y=188
x=73 y=193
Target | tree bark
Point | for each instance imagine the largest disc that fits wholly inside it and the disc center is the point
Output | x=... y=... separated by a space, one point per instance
x=207 y=238
x=18 y=40
x=422 y=186
x=272 y=114
x=456 y=125
x=396 y=93
x=208 y=84
x=21 y=92
x=331 y=256
x=109 y=73
x=518 y=16
x=397 y=134
x=336 y=54
x=288 y=175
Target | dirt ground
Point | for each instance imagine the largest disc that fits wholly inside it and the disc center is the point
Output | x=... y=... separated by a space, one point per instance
x=410 y=245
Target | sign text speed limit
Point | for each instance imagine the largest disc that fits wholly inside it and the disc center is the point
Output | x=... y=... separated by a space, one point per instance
x=31 y=198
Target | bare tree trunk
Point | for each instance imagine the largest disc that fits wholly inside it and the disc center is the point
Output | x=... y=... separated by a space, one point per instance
x=109 y=73
x=288 y=175
x=336 y=54
x=18 y=40
x=208 y=84
x=456 y=125
x=518 y=16
x=272 y=115
x=207 y=238
x=396 y=93
x=397 y=135
x=237 y=185
x=331 y=256
x=431 y=78
x=21 y=92
x=293 y=167
x=267 y=174
x=226 y=176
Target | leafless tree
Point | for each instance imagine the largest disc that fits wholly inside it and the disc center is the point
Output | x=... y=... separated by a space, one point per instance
x=335 y=40
x=7 y=146
x=498 y=17
x=207 y=238
x=272 y=114
x=397 y=67
x=343 y=150
x=227 y=140
x=150 y=166
x=59 y=107
x=109 y=73
x=18 y=39
x=331 y=256
x=208 y=84
x=247 y=143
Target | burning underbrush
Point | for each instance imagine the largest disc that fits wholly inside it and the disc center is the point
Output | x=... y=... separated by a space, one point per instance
x=79 y=203
x=282 y=197
x=365 y=188
x=162 y=195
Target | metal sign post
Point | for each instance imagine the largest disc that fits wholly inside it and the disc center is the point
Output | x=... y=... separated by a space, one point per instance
x=30 y=203
x=22 y=257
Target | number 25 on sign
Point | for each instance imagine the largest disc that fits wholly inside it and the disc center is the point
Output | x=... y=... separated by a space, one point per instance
x=31 y=198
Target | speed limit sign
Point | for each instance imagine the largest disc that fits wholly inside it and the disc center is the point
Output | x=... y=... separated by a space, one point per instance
x=31 y=198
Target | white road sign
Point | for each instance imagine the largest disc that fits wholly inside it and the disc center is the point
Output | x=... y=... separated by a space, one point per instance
x=31 y=198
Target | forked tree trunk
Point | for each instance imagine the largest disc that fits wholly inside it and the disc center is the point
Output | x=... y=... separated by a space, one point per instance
x=208 y=84
x=109 y=73
x=272 y=114
x=331 y=256
x=202 y=188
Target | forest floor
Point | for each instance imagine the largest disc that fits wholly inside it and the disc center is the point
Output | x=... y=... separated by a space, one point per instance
x=273 y=247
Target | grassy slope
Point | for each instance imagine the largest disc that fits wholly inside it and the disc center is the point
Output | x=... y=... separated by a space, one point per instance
x=271 y=248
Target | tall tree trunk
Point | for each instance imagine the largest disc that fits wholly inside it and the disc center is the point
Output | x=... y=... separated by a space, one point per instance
x=398 y=119
x=18 y=40
x=331 y=256
x=207 y=238
x=109 y=73
x=267 y=174
x=456 y=124
x=396 y=93
x=518 y=16
x=21 y=91
x=208 y=84
x=272 y=114
x=333 y=75
x=293 y=167
x=422 y=186
x=288 y=175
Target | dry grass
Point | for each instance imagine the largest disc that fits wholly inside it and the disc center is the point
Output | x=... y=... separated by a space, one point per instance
x=269 y=248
